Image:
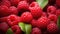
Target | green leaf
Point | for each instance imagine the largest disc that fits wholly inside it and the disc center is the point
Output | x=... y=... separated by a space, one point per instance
x=9 y=31
x=28 y=28
x=42 y=3
x=22 y=26
x=58 y=22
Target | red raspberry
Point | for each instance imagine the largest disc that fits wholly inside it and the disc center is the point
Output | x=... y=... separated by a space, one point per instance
x=3 y=11
x=12 y=20
x=58 y=2
x=6 y=3
x=26 y=17
x=44 y=14
x=3 y=19
x=13 y=10
x=4 y=27
x=14 y=2
x=36 y=31
x=52 y=28
x=34 y=23
x=43 y=22
x=16 y=29
x=35 y=9
x=53 y=18
x=51 y=10
x=22 y=5
x=58 y=12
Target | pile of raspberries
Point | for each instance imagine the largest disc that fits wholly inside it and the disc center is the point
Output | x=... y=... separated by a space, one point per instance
x=43 y=21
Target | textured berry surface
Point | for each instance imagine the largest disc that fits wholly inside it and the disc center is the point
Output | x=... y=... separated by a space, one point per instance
x=16 y=29
x=4 y=26
x=43 y=22
x=26 y=17
x=13 y=10
x=51 y=10
x=58 y=12
x=52 y=28
x=53 y=18
x=22 y=5
x=14 y=2
x=3 y=11
x=44 y=14
x=6 y=3
x=34 y=23
x=12 y=20
x=35 y=10
x=36 y=31
x=3 y=19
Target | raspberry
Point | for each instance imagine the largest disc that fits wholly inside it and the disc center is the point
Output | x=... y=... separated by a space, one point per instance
x=53 y=18
x=16 y=29
x=34 y=23
x=3 y=19
x=52 y=28
x=58 y=12
x=26 y=17
x=44 y=14
x=12 y=20
x=51 y=10
x=4 y=27
x=58 y=2
x=13 y=10
x=36 y=31
x=3 y=11
x=43 y=22
x=35 y=10
x=22 y=5
x=14 y=2
x=6 y=3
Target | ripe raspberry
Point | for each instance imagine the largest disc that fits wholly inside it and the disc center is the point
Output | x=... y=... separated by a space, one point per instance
x=43 y=22
x=44 y=14
x=35 y=10
x=3 y=11
x=22 y=5
x=12 y=20
x=51 y=10
x=52 y=28
x=53 y=18
x=13 y=10
x=58 y=2
x=6 y=3
x=58 y=12
x=26 y=17
x=16 y=29
x=3 y=19
x=4 y=27
x=34 y=23
x=14 y=2
x=36 y=31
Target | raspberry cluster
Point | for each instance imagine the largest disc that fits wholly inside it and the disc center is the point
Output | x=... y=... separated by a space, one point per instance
x=15 y=15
